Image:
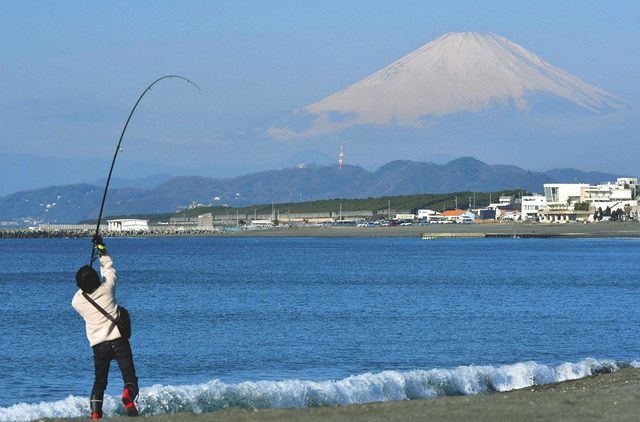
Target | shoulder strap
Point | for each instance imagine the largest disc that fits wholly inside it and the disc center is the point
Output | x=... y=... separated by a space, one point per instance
x=98 y=307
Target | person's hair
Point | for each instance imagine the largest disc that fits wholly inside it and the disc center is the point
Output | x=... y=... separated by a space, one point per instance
x=87 y=279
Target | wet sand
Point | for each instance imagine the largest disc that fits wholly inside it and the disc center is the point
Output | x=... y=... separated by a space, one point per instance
x=626 y=229
x=605 y=397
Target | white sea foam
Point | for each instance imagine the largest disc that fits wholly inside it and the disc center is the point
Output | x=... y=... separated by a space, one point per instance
x=363 y=388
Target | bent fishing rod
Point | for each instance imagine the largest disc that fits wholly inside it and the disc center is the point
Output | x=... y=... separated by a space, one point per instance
x=115 y=155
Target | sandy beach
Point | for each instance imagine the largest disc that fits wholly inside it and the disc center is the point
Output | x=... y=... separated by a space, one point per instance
x=626 y=229
x=605 y=397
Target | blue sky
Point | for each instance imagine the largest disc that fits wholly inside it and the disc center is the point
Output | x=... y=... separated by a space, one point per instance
x=72 y=70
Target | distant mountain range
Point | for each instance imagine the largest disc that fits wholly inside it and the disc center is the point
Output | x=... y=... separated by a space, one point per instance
x=162 y=193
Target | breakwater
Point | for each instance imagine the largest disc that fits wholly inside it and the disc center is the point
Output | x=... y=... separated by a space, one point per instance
x=437 y=231
x=429 y=236
x=52 y=234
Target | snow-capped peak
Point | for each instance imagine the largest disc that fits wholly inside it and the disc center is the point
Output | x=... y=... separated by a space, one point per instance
x=459 y=71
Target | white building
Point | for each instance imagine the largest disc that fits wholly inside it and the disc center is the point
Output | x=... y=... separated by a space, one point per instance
x=622 y=190
x=127 y=225
x=562 y=199
x=561 y=195
x=629 y=182
x=205 y=221
x=511 y=212
x=503 y=201
x=422 y=214
x=506 y=200
x=530 y=206
x=404 y=216
x=467 y=217
x=622 y=195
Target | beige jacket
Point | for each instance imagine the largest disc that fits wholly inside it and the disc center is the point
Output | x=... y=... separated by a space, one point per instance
x=99 y=328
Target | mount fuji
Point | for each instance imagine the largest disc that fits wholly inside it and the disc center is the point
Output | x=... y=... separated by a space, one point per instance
x=457 y=72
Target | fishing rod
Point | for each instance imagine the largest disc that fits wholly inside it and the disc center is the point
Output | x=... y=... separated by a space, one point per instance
x=115 y=155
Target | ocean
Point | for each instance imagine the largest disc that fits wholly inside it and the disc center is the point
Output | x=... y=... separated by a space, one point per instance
x=298 y=322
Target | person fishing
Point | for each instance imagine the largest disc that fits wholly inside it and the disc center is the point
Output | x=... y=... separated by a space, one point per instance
x=108 y=326
x=94 y=300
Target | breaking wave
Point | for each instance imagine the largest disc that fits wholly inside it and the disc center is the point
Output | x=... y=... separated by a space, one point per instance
x=363 y=388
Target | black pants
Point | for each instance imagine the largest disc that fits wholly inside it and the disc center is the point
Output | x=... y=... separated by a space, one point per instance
x=103 y=353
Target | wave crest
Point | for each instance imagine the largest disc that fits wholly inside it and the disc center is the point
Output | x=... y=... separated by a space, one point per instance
x=363 y=388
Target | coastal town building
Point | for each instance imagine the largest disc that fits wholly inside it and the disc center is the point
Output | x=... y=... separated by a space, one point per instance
x=486 y=213
x=507 y=208
x=583 y=202
x=562 y=195
x=405 y=216
x=425 y=213
x=508 y=212
x=563 y=215
x=502 y=201
x=205 y=221
x=127 y=225
x=530 y=205
x=612 y=195
x=452 y=215
x=459 y=216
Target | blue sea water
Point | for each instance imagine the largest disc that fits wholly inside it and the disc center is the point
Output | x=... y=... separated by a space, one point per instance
x=261 y=322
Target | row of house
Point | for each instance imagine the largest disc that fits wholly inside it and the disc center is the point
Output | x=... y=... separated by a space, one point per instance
x=563 y=202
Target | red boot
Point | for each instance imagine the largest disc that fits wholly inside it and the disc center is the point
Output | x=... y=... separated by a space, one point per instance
x=96 y=408
x=129 y=405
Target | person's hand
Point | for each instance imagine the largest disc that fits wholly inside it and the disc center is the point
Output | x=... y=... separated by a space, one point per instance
x=98 y=243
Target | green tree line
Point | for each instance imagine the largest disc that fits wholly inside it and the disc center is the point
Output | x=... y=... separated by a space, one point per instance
x=437 y=202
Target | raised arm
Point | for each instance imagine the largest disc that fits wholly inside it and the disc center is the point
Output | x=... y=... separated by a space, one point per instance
x=107 y=271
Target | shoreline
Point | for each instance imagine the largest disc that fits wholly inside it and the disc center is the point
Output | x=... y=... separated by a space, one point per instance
x=608 y=396
x=590 y=230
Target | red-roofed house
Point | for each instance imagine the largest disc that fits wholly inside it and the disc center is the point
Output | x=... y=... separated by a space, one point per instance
x=459 y=216
x=453 y=213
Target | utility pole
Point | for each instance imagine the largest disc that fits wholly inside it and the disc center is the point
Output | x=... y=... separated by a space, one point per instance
x=469 y=203
x=456 y=202
x=389 y=210
x=237 y=219
x=340 y=215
